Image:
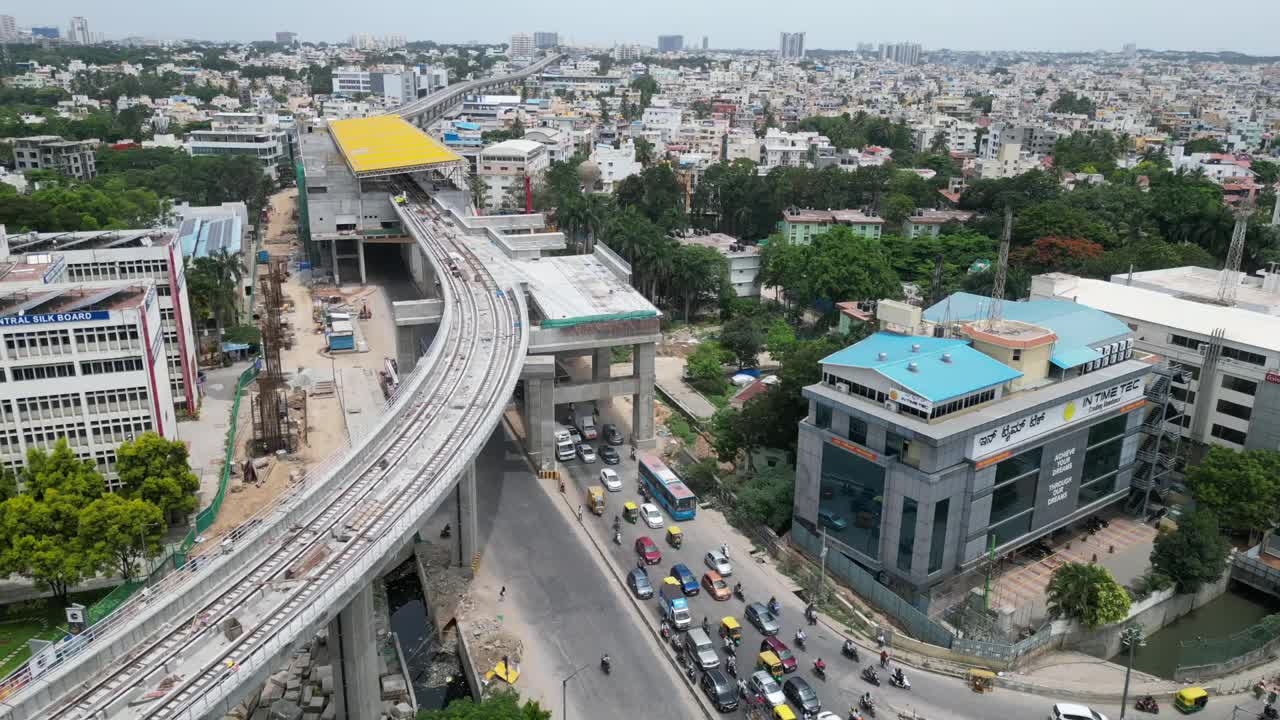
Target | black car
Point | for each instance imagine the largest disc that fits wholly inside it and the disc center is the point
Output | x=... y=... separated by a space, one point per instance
x=720 y=690
x=638 y=581
x=609 y=455
x=611 y=434
x=801 y=694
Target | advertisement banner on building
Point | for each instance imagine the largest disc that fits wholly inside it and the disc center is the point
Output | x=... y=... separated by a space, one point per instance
x=1070 y=412
x=1061 y=466
x=902 y=397
x=50 y=318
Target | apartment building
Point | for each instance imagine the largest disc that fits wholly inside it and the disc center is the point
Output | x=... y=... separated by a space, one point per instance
x=790 y=44
x=1010 y=161
x=546 y=40
x=394 y=85
x=744 y=260
x=800 y=226
x=1033 y=139
x=503 y=168
x=670 y=43
x=80 y=361
x=73 y=158
x=1230 y=388
x=780 y=148
x=665 y=120
x=942 y=436
x=615 y=164
x=268 y=138
x=930 y=222
x=521 y=46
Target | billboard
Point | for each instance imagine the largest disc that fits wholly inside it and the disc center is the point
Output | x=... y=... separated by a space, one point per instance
x=1073 y=411
x=1061 y=466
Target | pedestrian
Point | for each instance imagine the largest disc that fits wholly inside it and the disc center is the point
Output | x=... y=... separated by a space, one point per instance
x=502 y=594
x=579 y=513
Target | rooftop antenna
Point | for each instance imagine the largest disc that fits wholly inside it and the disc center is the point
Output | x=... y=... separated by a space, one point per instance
x=1228 y=283
x=996 y=310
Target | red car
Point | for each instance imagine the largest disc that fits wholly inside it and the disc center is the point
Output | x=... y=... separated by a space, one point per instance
x=648 y=549
x=779 y=648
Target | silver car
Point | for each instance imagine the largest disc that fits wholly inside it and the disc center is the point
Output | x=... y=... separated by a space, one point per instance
x=587 y=453
x=762 y=683
x=718 y=562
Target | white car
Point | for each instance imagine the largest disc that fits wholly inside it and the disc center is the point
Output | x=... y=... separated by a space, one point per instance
x=828 y=715
x=1071 y=711
x=610 y=480
x=718 y=562
x=587 y=453
x=762 y=683
x=651 y=516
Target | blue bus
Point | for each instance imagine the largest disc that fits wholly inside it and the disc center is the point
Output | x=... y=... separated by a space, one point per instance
x=665 y=488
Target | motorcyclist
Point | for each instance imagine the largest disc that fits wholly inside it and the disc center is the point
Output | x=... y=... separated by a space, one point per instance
x=850 y=648
x=800 y=636
x=606 y=662
x=732 y=663
x=724 y=550
x=884 y=658
x=706 y=625
x=819 y=665
x=866 y=699
x=737 y=589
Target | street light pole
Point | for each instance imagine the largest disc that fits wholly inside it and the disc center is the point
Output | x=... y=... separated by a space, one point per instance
x=1131 y=636
x=564 y=692
x=822 y=574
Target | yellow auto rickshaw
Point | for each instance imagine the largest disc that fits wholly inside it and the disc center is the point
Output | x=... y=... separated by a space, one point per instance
x=770 y=663
x=982 y=680
x=1190 y=700
x=595 y=499
x=675 y=536
x=630 y=511
x=731 y=630
x=783 y=712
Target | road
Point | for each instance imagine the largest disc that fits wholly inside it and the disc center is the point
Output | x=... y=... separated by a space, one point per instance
x=931 y=696
x=570 y=608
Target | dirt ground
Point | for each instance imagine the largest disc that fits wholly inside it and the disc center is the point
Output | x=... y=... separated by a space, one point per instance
x=281 y=224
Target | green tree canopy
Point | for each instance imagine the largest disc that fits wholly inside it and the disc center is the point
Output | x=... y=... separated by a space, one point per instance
x=1242 y=489
x=1069 y=102
x=744 y=337
x=1087 y=594
x=766 y=498
x=705 y=365
x=837 y=266
x=499 y=706
x=1193 y=554
x=118 y=532
x=158 y=471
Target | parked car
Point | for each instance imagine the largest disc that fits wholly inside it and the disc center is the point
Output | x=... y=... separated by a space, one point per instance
x=763 y=620
x=716 y=587
x=831 y=520
x=718 y=562
x=648 y=550
x=722 y=692
x=587 y=453
x=652 y=517
x=638 y=581
x=609 y=455
x=611 y=434
x=610 y=480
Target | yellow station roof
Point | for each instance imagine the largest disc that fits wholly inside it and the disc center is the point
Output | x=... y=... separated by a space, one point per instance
x=387 y=142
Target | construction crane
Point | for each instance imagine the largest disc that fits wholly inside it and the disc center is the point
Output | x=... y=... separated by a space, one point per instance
x=1228 y=283
x=996 y=311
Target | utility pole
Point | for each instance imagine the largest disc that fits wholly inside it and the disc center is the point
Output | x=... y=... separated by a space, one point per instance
x=991 y=563
x=822 y=574
x=1131 y=636
x=564 y=692
x=996 y=310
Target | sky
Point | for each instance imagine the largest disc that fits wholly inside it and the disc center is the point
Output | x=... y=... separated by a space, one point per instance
x=1052 y=25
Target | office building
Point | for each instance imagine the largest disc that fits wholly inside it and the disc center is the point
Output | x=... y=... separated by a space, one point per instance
x=705 y=43
x=903 y=53
x=1230 y=387
x=8 y=28
x=286 y=38
x=46 y=33
x=546 y=40
x=394 y=85
x=521 y=46
x=504 y=167
x=791 y=45
x=670 y=43
x=142 y=255
x=266 y=137
x=945 y=436
x=73 y=158
x=78 y=31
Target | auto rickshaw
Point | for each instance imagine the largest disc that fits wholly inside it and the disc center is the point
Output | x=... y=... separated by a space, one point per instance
x=783 y=712
x=595 y=499
x=731 y=630
x=630 y=511
x=675 y=536
x=1190 y=700
x=770 y=663
x=982 y=680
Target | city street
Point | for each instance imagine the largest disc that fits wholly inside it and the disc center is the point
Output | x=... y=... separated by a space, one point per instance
x=931 y=696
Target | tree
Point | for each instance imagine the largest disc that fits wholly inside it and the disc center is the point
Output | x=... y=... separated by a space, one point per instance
x=704 y=365
x=1086 y=152
x=1241 y=489
x=743 y=337
x=982 y=103
x=158 y=470
x=1204 y=145
x=499 y=706
x=1088 y=594
x=699 y=273
x=1058 y=254
x=780 y=338
x=477 y=189
x=118 y=532
x=1069 y=102
x=644 y=152
x=766 y=498
x=215 y=280
x=1194 y=553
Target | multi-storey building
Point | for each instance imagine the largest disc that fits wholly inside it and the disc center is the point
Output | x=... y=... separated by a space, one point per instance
x=743 y=260
x=670 y=43
x=780 y=148
x=545 y=40
x=393 y=84
x=78 y=31
x=269 y=138
x=285 y=37
x=521 y=45
x=73 y=158
x=799 y=227
x=8 y=28
x=504 y=168
x=791 y=44
x=80 y=361
x=945 y=435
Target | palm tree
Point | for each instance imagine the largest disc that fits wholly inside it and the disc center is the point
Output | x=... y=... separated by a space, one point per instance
x=219 y=276
x=477 y=187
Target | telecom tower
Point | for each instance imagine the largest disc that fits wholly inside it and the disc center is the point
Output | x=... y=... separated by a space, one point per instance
x=1229 y=282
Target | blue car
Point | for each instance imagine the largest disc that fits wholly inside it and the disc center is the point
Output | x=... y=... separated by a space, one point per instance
x=688 y=583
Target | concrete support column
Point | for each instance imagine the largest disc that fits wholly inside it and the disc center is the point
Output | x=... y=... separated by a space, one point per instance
x=360 y=255
x=539 y=409
x=468 y=518
x=333 y=254
x=642 y=361
x=357 y=693
x=601 y=361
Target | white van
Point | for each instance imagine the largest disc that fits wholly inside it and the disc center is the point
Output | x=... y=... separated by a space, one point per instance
x=565 y=450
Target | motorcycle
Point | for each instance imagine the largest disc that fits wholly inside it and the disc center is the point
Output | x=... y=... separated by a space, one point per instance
x=732 y=666
x=446 y=532
x=1146 y=704
x=775 y=608
x=692 y=672
x=820 y=669
x=617 y=537
x=899 y=680
x=737 y=592
x=850 y=650
x=730 y=648
x=869 y=674
x=854 y=713
x=799 y=640
x=666 y=631
x=1268 y=713
x=606 y=664
x=869 y=706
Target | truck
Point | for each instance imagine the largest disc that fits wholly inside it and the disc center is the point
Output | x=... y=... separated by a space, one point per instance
x=674 y=606
x=584 y=418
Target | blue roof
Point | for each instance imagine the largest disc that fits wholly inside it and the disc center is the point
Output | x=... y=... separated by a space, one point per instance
x=201 y=237
x=935 y=380
x=1077 y=326
x=463 y=125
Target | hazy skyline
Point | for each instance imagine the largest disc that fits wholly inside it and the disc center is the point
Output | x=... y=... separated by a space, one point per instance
x=973 y=25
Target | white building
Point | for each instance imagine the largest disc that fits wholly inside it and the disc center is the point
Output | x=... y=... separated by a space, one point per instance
x=269 y=138
x=73 y=158
x=1009 y=162
x=1219 y=167
x=78 y=31
x=559 y=143
x=665 y=120
x=1231 y=393
x=521 y=46
x=616 y=164
x=394 y=85
x=503 y=168
x=82 y=362
x=744 y=260
x=8 y=28
x=798 y=149
x=791 y=44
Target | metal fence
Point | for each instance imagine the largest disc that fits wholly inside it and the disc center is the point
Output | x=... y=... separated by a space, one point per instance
x=1005 y=652
x=1221 y=655
x=864 y=583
